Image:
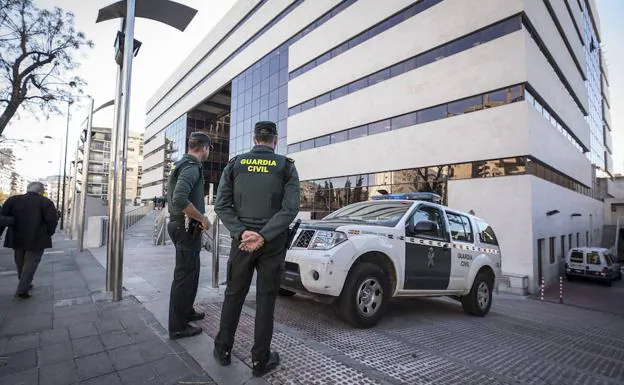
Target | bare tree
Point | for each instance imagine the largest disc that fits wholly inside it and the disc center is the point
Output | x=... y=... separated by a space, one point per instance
x=36 y=52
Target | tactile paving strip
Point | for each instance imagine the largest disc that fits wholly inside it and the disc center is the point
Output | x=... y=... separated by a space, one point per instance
x=433 y=341
x=301 y=365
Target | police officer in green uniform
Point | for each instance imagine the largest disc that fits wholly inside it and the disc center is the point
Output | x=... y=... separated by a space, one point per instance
x=185 y=197
x=257 y=199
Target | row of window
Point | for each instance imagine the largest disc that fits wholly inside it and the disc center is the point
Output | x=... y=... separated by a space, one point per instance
x=373 y=31
x=460 y=228
x=551 y=60
x=486 y=100
x=329 y=194
x=549 y=115
x=467 y=42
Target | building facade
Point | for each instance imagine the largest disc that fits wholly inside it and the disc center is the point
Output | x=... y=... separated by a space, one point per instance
x=500 y=107
x=99 y=164
x=7 y=168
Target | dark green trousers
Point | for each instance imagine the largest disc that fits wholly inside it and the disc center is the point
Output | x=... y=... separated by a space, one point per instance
x=268 y=261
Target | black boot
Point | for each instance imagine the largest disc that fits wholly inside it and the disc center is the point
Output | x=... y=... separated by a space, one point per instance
x=261 y=368
x=195 y=316
x=223 y=357
x=190 y=331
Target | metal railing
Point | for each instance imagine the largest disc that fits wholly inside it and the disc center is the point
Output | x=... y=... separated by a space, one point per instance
x=130 y=219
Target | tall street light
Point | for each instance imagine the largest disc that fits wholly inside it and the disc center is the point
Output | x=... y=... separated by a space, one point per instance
x=58 y=183
x=88 y=134
x=165 y=11
x=69 y=103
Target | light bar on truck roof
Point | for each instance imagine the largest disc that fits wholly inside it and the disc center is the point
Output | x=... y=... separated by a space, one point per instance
x=412 y=196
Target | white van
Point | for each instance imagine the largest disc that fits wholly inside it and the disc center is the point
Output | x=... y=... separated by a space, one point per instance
x=593 y=263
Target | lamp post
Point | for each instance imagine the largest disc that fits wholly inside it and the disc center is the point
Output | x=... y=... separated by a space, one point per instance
x=58 y=184
x=88 y=132
x=69 y=103
x=167 y=12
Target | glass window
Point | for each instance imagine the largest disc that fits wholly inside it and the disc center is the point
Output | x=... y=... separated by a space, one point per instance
x=496 y=98
x=551 y=246
x=486 y=233
x=460 y=228
x=294 y=148
x=428 y=213
x=338 y=137
x=404 y=121
x=430 y=114
x=397 y=69
x=339 y=92
x=308 y=105
x=379 y=76
x=358 y=132
x=264 y=86
x=463 y=44
x=308 y=144
x=264 y=103
x=282 y=111
x=322 y=141
x=273 y=98
x=593 y=258
x=273 y=114
x=357 y=85
x=379 y=127
x=274 y=82
x=431 y=56
x=465 y=106
x=411 y=64
x=323 y=99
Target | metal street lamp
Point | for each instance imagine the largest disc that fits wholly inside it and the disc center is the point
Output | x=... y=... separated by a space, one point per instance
x=165 y=11
x=58 y=185
x=88 y=132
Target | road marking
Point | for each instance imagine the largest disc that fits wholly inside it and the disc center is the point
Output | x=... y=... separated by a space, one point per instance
x=54 y=252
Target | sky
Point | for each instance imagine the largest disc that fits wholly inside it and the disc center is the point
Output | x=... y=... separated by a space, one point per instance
x=164 y=48
x=162 y=51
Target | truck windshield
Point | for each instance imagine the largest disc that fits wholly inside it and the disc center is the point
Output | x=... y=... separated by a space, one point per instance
x=379 y=213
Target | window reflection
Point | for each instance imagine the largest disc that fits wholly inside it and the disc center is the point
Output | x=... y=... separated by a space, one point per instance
x=326 y=195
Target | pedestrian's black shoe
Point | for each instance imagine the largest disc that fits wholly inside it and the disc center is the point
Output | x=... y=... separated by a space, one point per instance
x=190 y=331
x=195 y=316
x=262 y=368
x=223 y=357
x=23 y=295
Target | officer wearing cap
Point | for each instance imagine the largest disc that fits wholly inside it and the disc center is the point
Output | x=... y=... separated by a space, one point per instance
x=185 y=197
x=257 y=199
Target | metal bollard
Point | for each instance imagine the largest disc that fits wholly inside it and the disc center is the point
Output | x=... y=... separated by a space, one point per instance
x=560 y=289
x=542 y=290
x=215 y=253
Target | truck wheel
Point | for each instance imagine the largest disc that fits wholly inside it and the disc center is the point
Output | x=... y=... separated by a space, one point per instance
x=365 y=296
x=479 y=300
x=286 y=293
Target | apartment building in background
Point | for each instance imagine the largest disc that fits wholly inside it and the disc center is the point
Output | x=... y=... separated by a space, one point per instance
x=99 y=161
x=7 y=168
x=501 y=107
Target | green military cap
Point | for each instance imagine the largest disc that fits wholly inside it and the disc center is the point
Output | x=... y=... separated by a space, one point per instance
x=265 y=127
x=202 y=138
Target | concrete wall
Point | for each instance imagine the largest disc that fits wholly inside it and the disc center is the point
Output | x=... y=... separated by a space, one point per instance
x=516 y=208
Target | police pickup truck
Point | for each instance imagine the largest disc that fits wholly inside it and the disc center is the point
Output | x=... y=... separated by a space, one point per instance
x=395 y=245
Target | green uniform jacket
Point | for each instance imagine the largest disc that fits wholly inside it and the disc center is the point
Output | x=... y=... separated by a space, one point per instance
x=188 y=187
x=249 y=185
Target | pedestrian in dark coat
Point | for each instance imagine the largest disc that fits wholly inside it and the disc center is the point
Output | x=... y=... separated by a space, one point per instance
x=35 y=222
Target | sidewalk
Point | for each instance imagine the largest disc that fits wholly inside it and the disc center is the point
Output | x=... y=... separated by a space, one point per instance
x=70 y=332
x=148 y=271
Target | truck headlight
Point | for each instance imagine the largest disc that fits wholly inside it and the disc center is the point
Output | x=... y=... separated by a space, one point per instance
x=325 y=240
